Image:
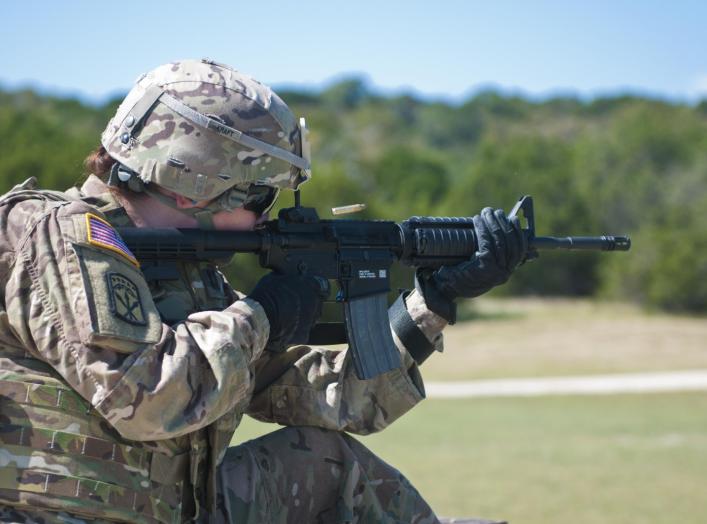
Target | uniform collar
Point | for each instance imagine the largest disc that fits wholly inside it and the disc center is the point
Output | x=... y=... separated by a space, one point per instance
x=96 y=193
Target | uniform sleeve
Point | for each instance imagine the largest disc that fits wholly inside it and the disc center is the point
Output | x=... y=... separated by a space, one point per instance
x=77 y=301
x=319 y=387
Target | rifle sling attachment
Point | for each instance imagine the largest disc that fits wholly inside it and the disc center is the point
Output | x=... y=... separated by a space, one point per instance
x=407 y=331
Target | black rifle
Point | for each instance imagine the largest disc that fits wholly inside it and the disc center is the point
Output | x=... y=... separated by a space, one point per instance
x=357 y=254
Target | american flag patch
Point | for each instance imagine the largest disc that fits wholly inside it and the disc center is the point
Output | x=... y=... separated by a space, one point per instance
x=102 y=234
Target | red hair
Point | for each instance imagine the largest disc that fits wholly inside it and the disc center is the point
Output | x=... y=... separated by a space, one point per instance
x=98 y=162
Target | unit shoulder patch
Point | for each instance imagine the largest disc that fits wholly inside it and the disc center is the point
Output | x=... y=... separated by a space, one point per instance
x=124 y=297
x=100 y=233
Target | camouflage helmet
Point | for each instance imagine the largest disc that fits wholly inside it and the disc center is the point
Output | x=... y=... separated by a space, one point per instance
x=201 y=129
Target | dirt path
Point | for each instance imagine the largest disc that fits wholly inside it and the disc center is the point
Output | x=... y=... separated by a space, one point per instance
x=693 y=380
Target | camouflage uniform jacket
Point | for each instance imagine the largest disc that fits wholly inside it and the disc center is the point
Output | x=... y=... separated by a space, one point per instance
x=80 y=327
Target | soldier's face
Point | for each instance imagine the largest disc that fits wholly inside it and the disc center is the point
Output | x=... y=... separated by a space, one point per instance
x=238 y=219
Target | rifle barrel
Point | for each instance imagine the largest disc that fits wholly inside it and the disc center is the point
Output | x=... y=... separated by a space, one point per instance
x=602 y=243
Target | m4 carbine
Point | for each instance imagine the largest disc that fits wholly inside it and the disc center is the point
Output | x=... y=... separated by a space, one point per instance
x=357 y=254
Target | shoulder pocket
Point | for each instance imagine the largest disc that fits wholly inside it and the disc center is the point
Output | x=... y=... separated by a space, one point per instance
x=118 y=301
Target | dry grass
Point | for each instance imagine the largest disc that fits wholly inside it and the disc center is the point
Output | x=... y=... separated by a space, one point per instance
x=547 y=337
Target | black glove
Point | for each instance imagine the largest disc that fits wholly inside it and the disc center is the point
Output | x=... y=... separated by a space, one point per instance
x=502 y=246
x=292 y=304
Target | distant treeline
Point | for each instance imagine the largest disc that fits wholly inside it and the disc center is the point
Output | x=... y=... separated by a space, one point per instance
x=621 y=165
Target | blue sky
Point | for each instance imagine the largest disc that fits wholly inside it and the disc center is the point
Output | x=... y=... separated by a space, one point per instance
x=441 y=49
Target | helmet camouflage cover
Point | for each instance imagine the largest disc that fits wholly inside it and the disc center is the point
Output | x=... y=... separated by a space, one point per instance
x=199 y=129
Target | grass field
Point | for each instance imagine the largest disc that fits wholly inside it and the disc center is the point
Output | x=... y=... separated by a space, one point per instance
x=608 y=460
x=532 y=337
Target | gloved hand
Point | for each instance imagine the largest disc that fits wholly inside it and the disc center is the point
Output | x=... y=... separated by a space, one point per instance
x=502 y=246
x=292 y=304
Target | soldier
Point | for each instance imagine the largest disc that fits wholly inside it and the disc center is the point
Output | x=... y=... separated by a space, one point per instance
x=120 y=392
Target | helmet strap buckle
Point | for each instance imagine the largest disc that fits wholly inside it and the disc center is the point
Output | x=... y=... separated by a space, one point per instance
x=124 y=177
